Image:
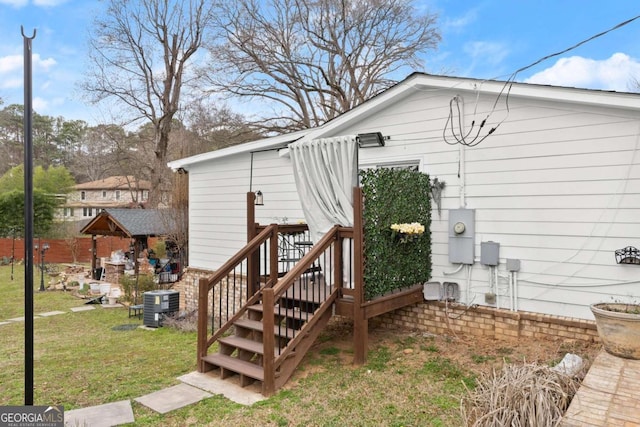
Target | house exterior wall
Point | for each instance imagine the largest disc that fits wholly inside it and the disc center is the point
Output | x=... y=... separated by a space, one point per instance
x=218 y=208
x=77 y=207
x=557 y=185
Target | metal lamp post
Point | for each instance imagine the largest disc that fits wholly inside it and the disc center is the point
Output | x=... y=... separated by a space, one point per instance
x=43 y=249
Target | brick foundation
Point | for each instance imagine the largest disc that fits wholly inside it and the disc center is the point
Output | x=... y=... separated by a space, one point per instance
x=188 y=288
x=449 y=318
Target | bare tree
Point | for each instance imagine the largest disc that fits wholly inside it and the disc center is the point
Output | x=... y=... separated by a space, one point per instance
x=139 y=56
x=97 y=157
x=216 y=126
x=176 y=218
x=315 y=59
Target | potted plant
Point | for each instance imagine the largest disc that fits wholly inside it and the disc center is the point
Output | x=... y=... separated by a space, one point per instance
x=618 y=326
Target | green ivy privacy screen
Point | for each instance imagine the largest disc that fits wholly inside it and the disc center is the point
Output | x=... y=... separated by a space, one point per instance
x=393 y=261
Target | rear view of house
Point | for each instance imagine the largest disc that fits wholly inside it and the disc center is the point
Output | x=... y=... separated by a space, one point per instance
x=535 y=194
x=555 y=186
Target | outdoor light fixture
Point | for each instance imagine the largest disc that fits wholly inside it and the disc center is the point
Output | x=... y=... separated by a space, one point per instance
x=43 y=248
x=374 y=139
x=259 y=199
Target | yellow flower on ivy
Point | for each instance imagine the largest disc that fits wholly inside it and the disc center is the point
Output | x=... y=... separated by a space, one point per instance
x=412 y=228
x=407 y=232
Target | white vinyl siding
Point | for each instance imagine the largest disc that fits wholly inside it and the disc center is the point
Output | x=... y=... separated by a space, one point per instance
x=557 y=185
x=217 y=203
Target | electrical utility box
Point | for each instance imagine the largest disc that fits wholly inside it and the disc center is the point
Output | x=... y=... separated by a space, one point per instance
x=490 y=253
x=158 y=304
x=462 y=235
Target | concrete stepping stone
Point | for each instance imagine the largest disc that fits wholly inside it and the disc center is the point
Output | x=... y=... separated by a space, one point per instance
x=50 y=313
x=215 y=385
x=20 y=319
x=173 y=398
x=4 y=323
x=82 y=308
x=107 y=415
x=116 y=305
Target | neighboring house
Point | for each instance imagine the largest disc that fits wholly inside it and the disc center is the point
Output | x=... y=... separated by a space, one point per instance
x=556 y=185
x=89 y=198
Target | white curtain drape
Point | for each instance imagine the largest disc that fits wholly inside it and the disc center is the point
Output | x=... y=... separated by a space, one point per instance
x=325 y=171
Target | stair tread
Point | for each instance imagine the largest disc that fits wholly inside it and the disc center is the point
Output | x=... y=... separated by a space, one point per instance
x=257 y=326
x=245 y=344
x=288 y=312
x=236 y=365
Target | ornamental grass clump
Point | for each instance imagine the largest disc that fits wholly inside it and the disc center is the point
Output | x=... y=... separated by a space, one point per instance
x=524 y=395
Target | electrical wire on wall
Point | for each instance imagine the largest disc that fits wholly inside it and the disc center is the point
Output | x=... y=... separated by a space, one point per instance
x=474 y=135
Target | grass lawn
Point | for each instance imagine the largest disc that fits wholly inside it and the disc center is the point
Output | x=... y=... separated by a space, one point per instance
x=81 y=360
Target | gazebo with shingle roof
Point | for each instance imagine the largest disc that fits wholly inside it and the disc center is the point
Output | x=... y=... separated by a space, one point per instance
x=136 y=224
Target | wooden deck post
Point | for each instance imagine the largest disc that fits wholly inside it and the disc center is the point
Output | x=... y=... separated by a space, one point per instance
x=268 y=342
x=253 y=261
x=273 y=257
x=203 y=317
x=94 y=254
x=360 y=322
x=338 y=262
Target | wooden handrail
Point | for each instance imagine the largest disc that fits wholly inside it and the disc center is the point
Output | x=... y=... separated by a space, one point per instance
x=205 y=285
x=242 y=254
x=306 y=261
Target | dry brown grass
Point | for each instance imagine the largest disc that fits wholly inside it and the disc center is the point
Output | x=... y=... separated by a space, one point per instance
x=519 y=395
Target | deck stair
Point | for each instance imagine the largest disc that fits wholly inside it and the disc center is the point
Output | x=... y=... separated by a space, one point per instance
x=267 y=304
x=299 y=318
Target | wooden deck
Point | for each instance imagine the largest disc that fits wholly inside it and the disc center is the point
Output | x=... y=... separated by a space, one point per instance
x=609 y=395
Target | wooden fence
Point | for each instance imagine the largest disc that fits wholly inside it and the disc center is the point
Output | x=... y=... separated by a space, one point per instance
x=60 y=250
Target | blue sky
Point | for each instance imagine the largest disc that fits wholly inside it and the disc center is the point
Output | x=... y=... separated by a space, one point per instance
x=481 y=39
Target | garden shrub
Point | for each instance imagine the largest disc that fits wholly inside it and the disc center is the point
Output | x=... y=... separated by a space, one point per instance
x=146 y=283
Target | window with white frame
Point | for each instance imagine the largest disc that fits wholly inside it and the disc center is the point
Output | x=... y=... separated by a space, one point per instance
x=410 y=163
x=83 y=195
x=405 y=162
x=87 y=212
x=117 y=194
x=104 y=194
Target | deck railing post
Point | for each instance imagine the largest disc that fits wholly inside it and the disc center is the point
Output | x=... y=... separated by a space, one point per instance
x=360 y=322
x=268 y=340
x=338 y=274
x=203 y=315
x=253 y=260
x=273 y=257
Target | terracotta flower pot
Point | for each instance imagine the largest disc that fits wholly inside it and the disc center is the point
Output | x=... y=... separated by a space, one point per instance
x=619 y=328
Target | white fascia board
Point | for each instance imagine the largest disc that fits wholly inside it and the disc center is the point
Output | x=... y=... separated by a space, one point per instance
x=624 y=100
x=372 y=106
x=261 y=144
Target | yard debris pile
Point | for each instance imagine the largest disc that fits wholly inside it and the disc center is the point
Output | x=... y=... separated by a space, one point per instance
x=520 y=395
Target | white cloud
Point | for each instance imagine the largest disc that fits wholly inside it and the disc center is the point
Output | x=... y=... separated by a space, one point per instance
x=615 y=73
x=48 y=3
x=40 y=104
x=15 y=3
x=10 y=83
x=12 y=63
x=43 y=64
x=461 y=22
x=486 y=52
